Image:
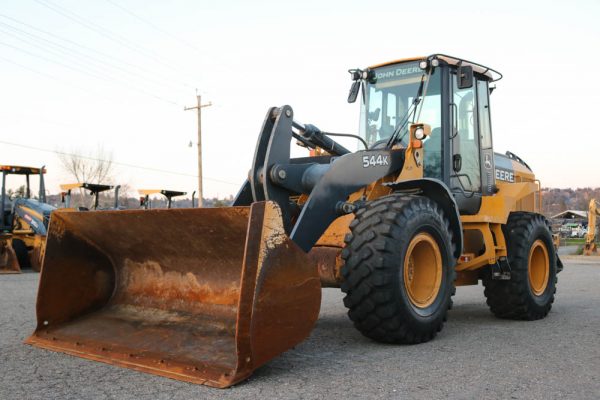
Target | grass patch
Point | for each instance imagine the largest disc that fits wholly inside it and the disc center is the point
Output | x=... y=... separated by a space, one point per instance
x=574 y=241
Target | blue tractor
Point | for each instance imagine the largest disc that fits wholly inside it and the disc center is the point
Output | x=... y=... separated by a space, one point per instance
x=23 y=223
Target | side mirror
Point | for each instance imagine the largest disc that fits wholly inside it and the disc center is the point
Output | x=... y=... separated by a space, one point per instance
x=354 y=89
x=465 y=77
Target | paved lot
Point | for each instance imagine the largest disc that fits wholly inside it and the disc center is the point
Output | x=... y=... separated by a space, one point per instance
x=568 y=250
x=476 y=356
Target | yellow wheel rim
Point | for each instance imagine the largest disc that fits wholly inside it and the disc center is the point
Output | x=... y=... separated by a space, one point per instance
x=422 y=270
x=539 y=267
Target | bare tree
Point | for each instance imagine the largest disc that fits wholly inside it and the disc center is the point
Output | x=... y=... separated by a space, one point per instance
x=96 y=167
x=90 y=167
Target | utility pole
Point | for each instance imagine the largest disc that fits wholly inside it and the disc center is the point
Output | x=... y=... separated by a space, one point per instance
x=199 y=107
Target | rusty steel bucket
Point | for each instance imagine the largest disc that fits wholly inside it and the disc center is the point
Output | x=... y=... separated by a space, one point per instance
x=200 y=295
x=9 y=264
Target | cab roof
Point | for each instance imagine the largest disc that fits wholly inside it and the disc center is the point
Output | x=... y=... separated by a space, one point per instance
x=94 y=187
x=20 y=170
x=451 y=60
x=168 y=193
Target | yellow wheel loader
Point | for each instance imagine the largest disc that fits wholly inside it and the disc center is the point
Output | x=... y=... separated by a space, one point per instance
x=145 y=201
x=23 y=223
x=424 y=205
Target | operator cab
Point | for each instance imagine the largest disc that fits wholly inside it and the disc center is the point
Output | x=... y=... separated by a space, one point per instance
x=449 y=94
x=7 y=206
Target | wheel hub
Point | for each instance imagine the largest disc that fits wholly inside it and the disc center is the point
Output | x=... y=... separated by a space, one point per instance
x=539 y=267
x=422 y=270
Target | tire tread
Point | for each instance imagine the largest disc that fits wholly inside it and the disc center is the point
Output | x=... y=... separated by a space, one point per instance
x=370 y=266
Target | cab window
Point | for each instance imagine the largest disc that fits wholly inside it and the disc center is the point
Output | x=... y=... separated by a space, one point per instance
x=485 y=129
x=466 y=138
x=388 y=101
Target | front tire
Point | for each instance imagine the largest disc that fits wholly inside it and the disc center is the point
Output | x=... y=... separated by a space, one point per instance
x=399 y=269
x=529 y=293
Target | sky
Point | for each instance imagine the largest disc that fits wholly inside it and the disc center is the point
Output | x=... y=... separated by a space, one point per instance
x=78 y=75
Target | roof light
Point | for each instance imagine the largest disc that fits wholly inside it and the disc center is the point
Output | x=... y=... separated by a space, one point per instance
x=423 y=64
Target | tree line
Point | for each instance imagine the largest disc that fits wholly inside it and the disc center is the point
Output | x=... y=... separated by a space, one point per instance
x=556 y=200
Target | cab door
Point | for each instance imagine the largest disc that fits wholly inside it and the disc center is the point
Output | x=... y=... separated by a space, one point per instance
x=488 y=186
x=466 y=166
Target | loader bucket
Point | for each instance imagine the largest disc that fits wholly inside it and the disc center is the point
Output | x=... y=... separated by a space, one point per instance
x=200 y=295
x=9 y=264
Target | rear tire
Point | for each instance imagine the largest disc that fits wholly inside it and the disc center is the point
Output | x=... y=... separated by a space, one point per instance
x=529 y=294
x=399 y=269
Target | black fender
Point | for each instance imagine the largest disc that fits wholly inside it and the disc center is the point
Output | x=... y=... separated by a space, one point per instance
x=438 y=192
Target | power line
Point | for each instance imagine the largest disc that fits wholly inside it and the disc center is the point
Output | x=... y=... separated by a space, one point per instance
x=100 y=72
x=104 y=55
x=104 y=78
x=86 y=157
x=154 y=26
x=43 y=74
x=66 y=50
x=107 y=99
x=33 y=117
x=104 y=32
x=114 y=162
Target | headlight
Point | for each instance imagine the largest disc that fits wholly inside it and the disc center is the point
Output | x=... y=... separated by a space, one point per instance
x=423 y=64
x=419 y=133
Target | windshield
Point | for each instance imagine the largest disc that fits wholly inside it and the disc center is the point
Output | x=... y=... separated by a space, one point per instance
x=388 y=100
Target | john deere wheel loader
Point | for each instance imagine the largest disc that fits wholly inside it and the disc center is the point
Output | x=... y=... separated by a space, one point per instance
x=23 y=223
x=209 y=295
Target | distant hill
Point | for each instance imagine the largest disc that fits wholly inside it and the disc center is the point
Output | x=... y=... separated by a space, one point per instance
x=556 y=200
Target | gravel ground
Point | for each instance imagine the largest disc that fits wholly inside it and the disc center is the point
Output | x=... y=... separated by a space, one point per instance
x=476 y=356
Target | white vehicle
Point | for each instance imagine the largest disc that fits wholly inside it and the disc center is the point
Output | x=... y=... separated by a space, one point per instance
x=578 y=231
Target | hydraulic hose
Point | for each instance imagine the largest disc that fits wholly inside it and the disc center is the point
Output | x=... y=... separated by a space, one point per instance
x=313 y=135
